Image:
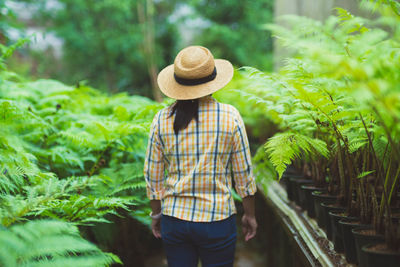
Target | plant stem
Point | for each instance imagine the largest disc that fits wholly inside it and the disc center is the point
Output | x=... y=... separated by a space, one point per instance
x=393 y=145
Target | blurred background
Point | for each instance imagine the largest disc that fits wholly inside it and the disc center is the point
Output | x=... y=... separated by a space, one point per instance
x=120 y=45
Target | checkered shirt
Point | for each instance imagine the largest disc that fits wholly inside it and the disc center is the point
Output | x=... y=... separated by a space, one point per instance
x=192 y=172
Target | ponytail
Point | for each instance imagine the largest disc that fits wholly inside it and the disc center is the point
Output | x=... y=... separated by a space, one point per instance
x=185 y=111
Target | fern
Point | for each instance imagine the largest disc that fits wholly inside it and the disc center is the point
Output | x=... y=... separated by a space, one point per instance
x=339 y=89
x=49 y=243
x=364 y=174
x=72 y=154
x=283 y=148
x=395 y=5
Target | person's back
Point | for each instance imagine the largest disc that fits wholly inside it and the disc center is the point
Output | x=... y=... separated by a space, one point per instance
x=195 y=148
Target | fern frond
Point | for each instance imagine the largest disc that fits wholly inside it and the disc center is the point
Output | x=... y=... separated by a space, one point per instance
x=283 y=148
x=49 y=243
x=364 y=174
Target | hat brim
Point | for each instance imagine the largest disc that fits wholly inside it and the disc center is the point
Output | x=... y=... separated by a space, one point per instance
x=171 y=88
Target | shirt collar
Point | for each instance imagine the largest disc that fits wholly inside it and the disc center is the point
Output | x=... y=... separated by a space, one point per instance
x=207 y=98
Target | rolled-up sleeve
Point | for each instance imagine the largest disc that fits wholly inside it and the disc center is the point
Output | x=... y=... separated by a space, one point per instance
x=154 y=164
x=245 y=184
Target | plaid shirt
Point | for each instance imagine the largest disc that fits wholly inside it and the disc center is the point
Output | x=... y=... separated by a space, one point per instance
x=192 y=172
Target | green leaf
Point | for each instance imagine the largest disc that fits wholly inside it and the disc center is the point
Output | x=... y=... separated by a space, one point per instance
x=364 y=174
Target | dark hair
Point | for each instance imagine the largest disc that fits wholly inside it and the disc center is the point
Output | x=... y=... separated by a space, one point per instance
x=185 y=111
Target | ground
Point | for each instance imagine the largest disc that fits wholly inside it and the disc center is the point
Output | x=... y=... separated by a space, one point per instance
x=245 y=256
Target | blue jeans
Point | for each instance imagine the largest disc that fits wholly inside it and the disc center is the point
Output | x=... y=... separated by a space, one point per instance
x=185 y=242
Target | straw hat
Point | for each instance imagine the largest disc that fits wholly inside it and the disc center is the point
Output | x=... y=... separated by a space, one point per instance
x=194 y=74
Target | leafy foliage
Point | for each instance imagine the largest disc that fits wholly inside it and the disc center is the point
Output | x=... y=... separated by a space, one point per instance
x=77 y=135
x=49 y=243
x=340 y=93
x=114 y=37
x=283 y=148
x=72 y=154
x=231 y=22
x=104 y=41
x=395 y=5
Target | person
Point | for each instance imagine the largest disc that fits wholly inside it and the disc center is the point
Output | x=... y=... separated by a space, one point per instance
x=196 y=147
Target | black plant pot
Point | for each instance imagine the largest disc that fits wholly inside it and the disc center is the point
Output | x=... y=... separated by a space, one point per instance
x=302 y=197
x=299 y=196
x=381 y=258
x=361 y=240
x=295 y=184
x=290 y=186
x=320 y=197
x=396 y=217
x=309 y=201
x=348 y=239
x=327 y=207
x=337 y=234
x=291 y=171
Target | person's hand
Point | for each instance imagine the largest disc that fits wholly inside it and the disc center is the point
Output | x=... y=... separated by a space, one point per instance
x=249 y=227
x=156 y=227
